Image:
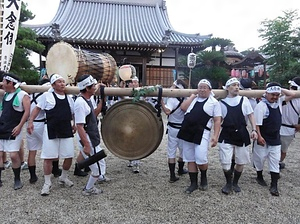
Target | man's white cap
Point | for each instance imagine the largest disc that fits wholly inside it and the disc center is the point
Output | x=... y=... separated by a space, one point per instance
x=230 y=82
x=88 y=81
x=205 y=81
x=55 y=77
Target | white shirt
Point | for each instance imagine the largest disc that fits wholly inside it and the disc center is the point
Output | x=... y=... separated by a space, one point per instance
x=261 y=110
x=47 y=101
x=211 y=107
x=82 y=109
x=290 y=117
x=20 y=95
x=178 y=115
x=234 y=101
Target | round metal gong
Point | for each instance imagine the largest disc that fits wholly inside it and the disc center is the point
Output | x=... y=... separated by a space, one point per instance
x=131 y=130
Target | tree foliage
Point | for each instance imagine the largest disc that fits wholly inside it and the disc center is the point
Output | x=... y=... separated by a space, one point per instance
x=282 y=46
x=25 y=43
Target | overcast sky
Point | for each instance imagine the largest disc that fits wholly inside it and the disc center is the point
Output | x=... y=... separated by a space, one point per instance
x=237 y=20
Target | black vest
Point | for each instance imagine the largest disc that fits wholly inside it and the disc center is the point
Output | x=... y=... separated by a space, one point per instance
x=91 y=125
x=270 y=129
x=9 y=119
x=234 y=129
x=194 y=124
x=59 y=119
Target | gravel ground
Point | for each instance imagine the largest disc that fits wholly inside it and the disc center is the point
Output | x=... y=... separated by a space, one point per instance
x=148 y=197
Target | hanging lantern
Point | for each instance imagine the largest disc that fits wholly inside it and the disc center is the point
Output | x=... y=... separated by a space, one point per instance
x=260 y=72
x=252 y=74
x=237 y=74
x=244 y=74
x=191 y=60
x=232 y=73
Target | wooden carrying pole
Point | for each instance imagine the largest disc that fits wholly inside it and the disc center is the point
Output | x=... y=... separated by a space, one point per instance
x=115 y=91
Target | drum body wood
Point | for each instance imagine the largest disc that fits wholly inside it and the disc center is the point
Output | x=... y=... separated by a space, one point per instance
x=132 y=130
x=71 y=63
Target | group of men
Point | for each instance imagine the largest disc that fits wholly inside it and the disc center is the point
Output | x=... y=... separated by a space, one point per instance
x=51 y=124
x=273 y=121
x=55 y=117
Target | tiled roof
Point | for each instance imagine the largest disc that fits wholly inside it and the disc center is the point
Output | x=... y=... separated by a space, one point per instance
x=115 y=23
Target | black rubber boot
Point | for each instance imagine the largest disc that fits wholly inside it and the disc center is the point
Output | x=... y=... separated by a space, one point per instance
x=33 y=177
x=260 y=179
x=235 y=181
x=18 y=184
x=181 y=170
x=55 y=170
x=87 y=169
x=203 y=183
x=274 y=183
x=1 y=168
x=232 y=165
x=173 y=177
x=227 y=189
x=79 y=172
x=194 y=183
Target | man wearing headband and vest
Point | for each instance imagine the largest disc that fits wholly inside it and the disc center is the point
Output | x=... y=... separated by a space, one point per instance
x=87 y=128
x=175 y=118
x=290 y=121
x=202 y=112
x=15 y=108
x=58 y=131
x=268 y=122
x=234 y=137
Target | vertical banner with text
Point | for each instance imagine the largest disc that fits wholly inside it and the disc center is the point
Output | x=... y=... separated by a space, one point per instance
x=11 y=17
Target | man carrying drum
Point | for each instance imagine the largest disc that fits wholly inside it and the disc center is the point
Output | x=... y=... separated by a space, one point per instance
x=58 y=131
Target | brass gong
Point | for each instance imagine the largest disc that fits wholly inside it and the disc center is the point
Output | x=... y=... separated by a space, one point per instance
x=131 y=130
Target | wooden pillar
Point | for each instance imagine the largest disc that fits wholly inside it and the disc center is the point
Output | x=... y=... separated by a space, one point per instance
x=144 y=71
x=176 y=62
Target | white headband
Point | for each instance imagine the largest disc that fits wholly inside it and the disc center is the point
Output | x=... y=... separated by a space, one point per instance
x=135 y=78
x=9 y=78
x=55 y=77
x=179 y=86
x=273 y=89
x=205 y=81
x=292 y=83
x=86 y=82
x=231 y=81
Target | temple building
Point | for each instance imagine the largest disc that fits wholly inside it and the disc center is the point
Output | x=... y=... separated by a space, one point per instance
x=132 y=31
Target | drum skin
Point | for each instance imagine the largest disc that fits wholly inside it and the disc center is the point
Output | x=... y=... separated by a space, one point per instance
x=71 y=63
x=131 y=130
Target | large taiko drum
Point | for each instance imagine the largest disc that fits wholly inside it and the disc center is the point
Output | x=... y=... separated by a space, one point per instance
x=132 y=130
x=71 y=63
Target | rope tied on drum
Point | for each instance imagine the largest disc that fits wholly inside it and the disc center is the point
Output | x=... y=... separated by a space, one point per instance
x=138 y=93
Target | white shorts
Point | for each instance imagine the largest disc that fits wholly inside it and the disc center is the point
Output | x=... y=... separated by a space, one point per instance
x=57 y=148
x=11 y=145
x=286 y=142
x=174 y=143
x=196 y=153
x=35 y=140
x=242 y=154
x=98 y=167
x=263 y=153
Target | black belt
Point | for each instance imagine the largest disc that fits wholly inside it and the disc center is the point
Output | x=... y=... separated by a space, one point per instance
x=287 y=125
x=174 y=125
x=42 y=120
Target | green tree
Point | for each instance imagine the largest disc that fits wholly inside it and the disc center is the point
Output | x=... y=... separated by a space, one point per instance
x=282 y=46
x=25 y=43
